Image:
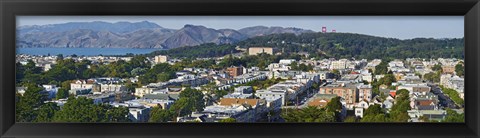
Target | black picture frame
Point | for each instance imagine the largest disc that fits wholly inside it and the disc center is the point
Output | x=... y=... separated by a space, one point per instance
x=470 y=9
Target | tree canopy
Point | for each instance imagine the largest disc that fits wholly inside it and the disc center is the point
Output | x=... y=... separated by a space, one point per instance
x=309 y=114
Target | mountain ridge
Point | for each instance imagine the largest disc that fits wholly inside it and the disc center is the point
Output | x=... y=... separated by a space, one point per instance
x=144 y=34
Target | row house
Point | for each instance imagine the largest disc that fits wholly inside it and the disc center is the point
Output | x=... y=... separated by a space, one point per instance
x=242 y=110
x=272 y=94
x=100 y=98
x=84 y=84
x=453 y=82
x=112 y=87
x=346 y=91
x=242 y=92
x=364 y=92
x=279 y=67
x=339 y=64
x=245 y=78
x=422 y=88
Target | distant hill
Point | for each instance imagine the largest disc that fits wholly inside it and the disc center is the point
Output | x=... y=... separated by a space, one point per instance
x=135 y=35
x=119 y=27
x=191 y=35
x=263 y=30
x=348 y=45
x=333 y=45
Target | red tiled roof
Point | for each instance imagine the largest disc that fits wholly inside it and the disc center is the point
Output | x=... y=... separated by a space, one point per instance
x=318 y=102
x=425 y=102
x=393 y=93
x=232 y=101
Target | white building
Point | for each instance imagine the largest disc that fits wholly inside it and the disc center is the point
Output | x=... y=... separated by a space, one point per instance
x=359 y=112
x=272 y=94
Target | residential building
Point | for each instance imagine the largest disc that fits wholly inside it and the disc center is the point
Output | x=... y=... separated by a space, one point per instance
x=364 y=92
x=100 y=98
x=140 y=92
x=339 y=64
x=448 y=69
x=139 y=114
x=85 y=84
x=272 y=94
x=415 y=88
x=346 y=91
x=235 y=71
x=359 y=112
x=112 y=87
x=81 y=91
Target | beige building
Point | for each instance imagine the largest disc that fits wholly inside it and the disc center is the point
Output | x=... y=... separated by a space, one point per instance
x=160 y=59
x=140 y=92
x=339 y=64
x=448 y=69
x=259 y=50
x=347 y=91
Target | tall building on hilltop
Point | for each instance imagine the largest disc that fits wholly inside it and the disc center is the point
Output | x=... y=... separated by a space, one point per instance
x=161 y=59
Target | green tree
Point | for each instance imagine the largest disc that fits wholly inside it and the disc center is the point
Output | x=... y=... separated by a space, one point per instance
x=228 y=120
x=161 y=115
x=334 y=105
x=115 y=114
x=398 y=116
x=84 y=110
x=437 y=67
x=336 y=73
x=375 y=118
x=350 y=119
x=61 y=93
x=433 y=76
x=308 y=114
x=46 y=112
x=19 y=73
x=453 y=116
x=453 y=94
x=162 y=77
x=381 y=68
x=195 y=97
x=138 y=71
x=459 y=69
x=182 y=107
x=79 y=110
x=66 y=85
x=31 y=99
x=387 y=80
x=398 y=112
x=373 y=110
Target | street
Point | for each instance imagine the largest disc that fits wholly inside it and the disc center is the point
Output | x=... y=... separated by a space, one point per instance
x=445 y=101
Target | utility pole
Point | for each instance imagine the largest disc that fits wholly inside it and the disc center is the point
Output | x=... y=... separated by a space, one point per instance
x=296 y=104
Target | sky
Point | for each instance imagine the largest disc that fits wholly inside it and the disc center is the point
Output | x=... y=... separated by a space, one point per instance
x=402 y=27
